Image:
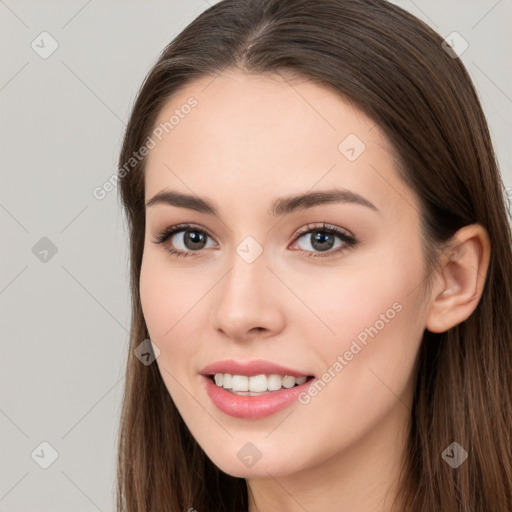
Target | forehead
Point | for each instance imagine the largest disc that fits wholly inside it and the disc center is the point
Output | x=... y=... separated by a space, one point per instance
x=254 y=136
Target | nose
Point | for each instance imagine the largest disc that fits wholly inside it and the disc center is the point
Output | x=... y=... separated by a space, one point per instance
x=249 y=301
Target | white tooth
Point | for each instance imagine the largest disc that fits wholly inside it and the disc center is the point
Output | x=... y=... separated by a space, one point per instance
x=289 y=381
x=227 y=381
x=274 y=382
x=300 y=380
x=240 y=383
x=218 y=379
x=258 y=383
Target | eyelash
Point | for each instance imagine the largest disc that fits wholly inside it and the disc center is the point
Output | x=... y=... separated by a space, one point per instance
x=348 y=240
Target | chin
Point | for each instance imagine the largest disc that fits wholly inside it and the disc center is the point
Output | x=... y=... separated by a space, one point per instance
x=245 y=460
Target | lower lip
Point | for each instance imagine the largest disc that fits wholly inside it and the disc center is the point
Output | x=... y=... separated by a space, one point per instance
x=253 y=407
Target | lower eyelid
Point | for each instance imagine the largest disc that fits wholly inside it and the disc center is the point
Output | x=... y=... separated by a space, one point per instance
x=348 y=241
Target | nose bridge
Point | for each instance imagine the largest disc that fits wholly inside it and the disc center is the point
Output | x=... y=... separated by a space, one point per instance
x=246 y=296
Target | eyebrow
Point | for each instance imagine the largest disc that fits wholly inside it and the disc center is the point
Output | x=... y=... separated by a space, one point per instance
x=281 y=206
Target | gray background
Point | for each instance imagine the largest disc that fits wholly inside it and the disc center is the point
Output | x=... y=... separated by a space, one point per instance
x=65 y=316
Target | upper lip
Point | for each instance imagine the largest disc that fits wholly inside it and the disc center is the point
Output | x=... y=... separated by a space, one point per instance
x=250 y=368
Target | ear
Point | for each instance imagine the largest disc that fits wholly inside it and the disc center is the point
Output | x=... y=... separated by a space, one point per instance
x=461 y=280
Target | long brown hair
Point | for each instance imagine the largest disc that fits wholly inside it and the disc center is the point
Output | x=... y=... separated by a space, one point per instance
x=395 y=69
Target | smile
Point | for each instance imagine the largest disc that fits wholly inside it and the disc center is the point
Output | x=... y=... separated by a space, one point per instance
x=253 y=405
x=256 y=384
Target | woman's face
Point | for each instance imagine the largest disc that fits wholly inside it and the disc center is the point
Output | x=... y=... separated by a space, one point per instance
x=260 y=280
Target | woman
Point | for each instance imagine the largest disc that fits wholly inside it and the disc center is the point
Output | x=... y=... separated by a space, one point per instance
x=321 y=266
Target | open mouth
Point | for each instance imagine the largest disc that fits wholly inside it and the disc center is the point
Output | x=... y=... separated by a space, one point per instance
x=256 y=385
x=255 y=396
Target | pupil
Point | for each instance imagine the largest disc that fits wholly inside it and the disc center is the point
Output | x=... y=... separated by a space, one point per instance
x=195 y=237
x=321 y=241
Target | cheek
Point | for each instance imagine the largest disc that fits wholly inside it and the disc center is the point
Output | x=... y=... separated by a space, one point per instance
x=175 y=317
x=176 y=313
x=378 y=320
x=364 y=382
x=375 y=323
x=167 y=295
x=154 y=302
x=362 y=294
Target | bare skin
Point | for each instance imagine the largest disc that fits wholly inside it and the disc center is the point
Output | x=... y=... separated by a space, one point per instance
x=250 y=140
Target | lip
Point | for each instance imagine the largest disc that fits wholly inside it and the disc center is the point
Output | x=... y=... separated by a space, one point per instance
x=250 y=368
x=252 y=407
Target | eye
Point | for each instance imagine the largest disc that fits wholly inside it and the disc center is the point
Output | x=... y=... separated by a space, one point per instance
x=322 y=239
x=185 y=238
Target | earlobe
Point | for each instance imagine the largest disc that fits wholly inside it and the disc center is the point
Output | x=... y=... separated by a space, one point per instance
x=461 y=280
